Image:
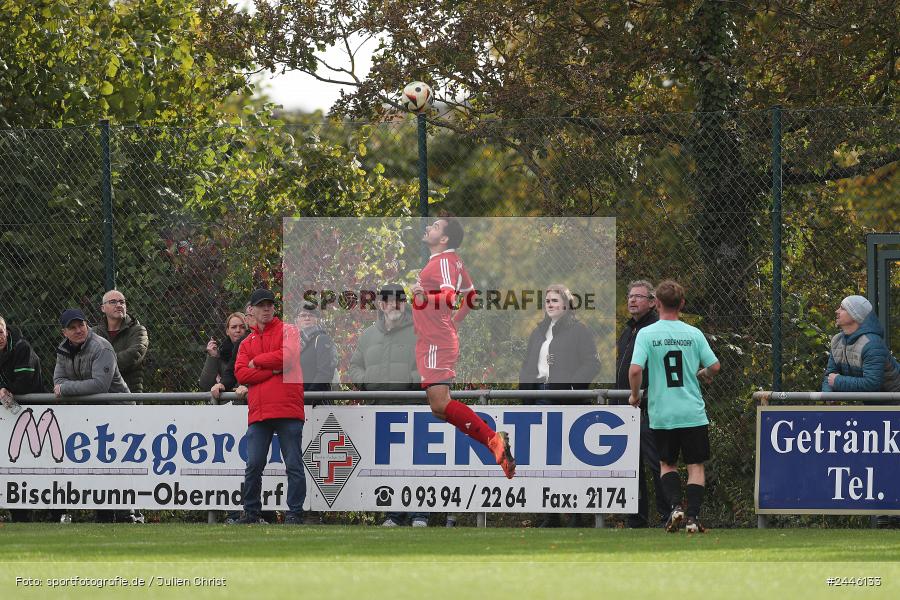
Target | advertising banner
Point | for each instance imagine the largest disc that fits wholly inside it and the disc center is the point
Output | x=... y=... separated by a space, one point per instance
x=828 y=460
x=570 y=459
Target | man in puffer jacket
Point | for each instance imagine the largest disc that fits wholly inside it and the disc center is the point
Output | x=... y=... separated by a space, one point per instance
x=859 y=360
x=273 y=406
x=85 y=362
x=385 y=357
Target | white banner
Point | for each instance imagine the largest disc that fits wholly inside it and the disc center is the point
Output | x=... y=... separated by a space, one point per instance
x=572 y=459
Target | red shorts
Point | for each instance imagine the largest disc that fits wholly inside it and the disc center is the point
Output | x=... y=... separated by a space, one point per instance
x=436 y=364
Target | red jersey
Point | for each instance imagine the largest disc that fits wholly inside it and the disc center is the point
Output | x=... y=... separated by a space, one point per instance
x=444 y=278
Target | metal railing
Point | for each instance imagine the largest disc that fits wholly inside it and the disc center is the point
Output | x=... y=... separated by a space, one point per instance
x=602 y=396
x=766 y=397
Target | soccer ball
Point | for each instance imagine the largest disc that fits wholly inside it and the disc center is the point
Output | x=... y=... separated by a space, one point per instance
x=417 y=96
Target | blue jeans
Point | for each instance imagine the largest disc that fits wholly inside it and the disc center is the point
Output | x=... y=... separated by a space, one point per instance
x=259 y=439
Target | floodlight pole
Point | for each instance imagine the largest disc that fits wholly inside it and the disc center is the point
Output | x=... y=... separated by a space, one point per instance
x=423 y=166
x=776 y=248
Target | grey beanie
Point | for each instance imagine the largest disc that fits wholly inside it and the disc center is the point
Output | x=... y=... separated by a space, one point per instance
x=858 y=307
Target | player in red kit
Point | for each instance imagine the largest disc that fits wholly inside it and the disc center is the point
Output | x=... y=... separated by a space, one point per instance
x=443 y=280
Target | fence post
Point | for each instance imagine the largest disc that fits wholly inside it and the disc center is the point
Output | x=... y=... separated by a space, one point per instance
x=423 y=166
x=776 y=248
x=109 y=259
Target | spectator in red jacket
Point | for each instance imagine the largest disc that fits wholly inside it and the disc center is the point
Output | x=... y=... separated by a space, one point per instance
x=273 y=406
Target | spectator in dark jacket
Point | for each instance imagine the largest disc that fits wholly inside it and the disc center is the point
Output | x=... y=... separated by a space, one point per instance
x=561 y=355
x=127 y=336
x=318 y=354
x=218 y=370
x=642 y=308
x=20 y=367
x=20 y=373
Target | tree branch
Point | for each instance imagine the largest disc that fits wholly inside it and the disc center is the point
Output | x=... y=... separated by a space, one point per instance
x=790 y=177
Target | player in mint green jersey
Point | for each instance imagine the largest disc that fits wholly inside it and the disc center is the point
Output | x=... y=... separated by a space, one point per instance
x=677 y=357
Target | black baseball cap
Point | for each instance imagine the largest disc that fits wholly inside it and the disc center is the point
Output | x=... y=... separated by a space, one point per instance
x=71 y=314
x=392 y=289
x=261 y=295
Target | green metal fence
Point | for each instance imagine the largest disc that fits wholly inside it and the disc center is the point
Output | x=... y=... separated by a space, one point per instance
x=762 y=215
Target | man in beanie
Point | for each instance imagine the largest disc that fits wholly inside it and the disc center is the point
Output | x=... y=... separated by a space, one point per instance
x=859 y=360
x=385 y=360
x=267 y=360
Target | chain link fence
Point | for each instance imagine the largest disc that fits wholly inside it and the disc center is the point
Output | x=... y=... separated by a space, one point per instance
x=197 y=215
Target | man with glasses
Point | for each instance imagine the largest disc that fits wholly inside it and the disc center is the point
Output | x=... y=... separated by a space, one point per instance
x=318 y=355
x=642 y=308
x=677 y=357
x=127 y=336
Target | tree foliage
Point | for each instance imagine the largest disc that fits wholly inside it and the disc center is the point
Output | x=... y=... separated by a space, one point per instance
x=201 y=174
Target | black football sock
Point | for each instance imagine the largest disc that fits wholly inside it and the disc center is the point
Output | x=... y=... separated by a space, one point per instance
x=694 y=499
x=671 y=485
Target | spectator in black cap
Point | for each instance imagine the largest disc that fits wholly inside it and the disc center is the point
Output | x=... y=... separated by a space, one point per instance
x=318 y=355
x=268 y=364
x=86 y=364
x=385 y=360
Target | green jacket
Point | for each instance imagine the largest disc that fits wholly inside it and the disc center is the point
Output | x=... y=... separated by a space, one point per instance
x=131 y=349
x=386 y=360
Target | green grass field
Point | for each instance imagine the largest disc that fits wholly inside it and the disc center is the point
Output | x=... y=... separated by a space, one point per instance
x=350 y=562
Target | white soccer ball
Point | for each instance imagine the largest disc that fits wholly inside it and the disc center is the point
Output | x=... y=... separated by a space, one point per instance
x=418 y=96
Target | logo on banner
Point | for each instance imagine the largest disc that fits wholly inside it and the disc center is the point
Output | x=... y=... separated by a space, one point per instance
x=331 y=458
x=37 y=432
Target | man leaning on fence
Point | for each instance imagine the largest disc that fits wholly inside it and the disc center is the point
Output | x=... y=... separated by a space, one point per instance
x=859 y=361
x=385 y=360
x=127 y=336
x=85 y=365
x=273 y=406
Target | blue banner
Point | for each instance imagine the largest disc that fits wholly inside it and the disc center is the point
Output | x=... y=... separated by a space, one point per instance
x=828 y=460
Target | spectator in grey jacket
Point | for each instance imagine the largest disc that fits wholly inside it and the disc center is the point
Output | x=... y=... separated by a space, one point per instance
x=85 y=362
